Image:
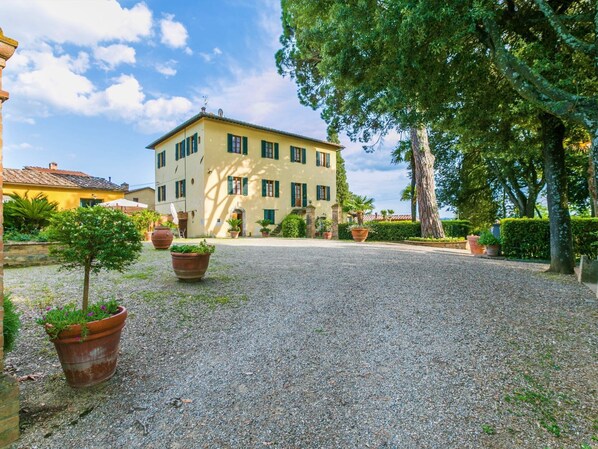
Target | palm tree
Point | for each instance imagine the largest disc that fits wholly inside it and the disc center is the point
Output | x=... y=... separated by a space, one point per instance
x=359 y=205
x=28 y=214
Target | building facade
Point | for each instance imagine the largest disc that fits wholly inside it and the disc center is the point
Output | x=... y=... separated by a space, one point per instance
x=215 y=168
x=145 y=195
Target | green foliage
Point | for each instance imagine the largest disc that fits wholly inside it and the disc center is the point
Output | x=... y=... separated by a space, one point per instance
x=293 y=226
x=202 y=248
x=28 y=215
x=60 y=318
x=389 y=231
x=12 y=323
x=145 y=220
x=16 y=236
x=530 y=238
x=235 y=224
x=358 y=205
x=435 y=240
x=324 y=225
x=456 y=228
x=170 y=225
x=342 y=185
x=488 y=429
x=94 y=238
x=264 y=225
x=488 y=239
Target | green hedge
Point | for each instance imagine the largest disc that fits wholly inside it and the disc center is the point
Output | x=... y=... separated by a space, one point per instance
x=293 y=226
x=389 y=231
x=525 y=238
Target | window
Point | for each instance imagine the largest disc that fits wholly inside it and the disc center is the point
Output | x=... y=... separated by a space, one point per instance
x=298 y=155
x=179 y=150
x=322 y=159
x=269 y=214
x=270 y=188
x=162 y=193
x=136 y=199
x=89 y=202
x=298 y=194
x=237 y=186
x=179 y=189
x=161 y=159
x=237 y=144
x=323 y=193
x=192 y=144
x=269 y=150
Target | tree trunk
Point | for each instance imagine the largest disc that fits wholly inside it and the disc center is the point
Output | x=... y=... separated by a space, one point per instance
x=86 y=288
x=425 y=187
x=413 y=191
x=561 y=242
x=592 y=185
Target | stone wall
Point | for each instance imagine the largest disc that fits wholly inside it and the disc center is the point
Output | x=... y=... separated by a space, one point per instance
x=27 y=254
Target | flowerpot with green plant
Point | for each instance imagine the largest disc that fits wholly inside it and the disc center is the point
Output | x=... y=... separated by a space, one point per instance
x=325 y=228
x=265 y=230
x=357 y=206
x=145 y=221
x=235 y=226
x=491 y=243
x=87 y=338
x=474 y=245
x=190 y=262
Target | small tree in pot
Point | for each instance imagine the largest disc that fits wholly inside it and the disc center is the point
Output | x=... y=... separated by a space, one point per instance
x=491 y=243
x=265 y=230
x=235 y=226
x=357 y=207
x=91 y=239
x=325 y=228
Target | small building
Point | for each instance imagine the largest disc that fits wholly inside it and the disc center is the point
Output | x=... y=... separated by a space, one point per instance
x=214 y=168
x=70 y=189
x=146 y=195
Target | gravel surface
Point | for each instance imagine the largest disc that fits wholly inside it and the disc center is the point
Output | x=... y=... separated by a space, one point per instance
x=322 y=344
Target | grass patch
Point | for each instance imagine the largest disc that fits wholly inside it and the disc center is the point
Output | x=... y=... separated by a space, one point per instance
x=488 y=429
x=141 y=275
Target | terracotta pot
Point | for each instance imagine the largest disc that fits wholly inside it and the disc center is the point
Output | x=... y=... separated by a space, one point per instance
x=492 y=250
x=190 y=267
x=265 y=234
x=327 y=235
x=360 y=234
x=234 y=234
x=474 y=247
x=90 y=360
x=148 y=236
x=162 y=237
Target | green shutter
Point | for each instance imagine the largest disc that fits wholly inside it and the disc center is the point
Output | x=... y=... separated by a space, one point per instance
x=303 y=158
x=328 y=193
x=245 y=190
x=328 y=161
x=194 y=143
x=264 y=187
x=276 y=189
x=176 y=151
x=176 y=189
x=304 y=188
x=317 y=158
x=318 y=193
x=292 y=194
x=230 y=184
x=184 y=186
x=188 y=144
x=276 y=151
x=292 y=154
x=244 y=145
x=263 y=148
x=158 y=159
x=230 y=143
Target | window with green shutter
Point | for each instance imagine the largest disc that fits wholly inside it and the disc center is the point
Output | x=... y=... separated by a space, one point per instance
x=304 y=188
x=179 y=189
x=237 y=144
x=245 y=187
x=298 y=155
x=161 y=193
x=268 y=188
x=270 y=215
x=323 y=193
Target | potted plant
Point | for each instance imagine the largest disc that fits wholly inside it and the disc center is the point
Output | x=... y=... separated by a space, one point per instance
x=475 y=248
x=235 y=226
x=265 y=230
x=326 y=228
x=87 y=338
x=491 y=243
x=145 y=221
x=357 y=206
x=190 y=262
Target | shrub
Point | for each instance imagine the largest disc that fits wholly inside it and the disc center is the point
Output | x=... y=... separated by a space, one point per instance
x=456 y=228
x=488 y=239
x=16 y=236
x=526 y=238
x=145 y=220
x=26 y=214
x=12 y=324
x=201 y=248
x=293 y=226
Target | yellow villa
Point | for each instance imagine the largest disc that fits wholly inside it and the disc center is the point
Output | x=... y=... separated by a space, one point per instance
x=215 y=168
x=70 y=189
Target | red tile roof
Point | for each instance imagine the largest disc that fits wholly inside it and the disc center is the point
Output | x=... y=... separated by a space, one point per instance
x=34 y=177
x=55 y=171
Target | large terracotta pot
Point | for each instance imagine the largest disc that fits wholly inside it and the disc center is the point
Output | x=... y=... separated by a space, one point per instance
x=474 y=247
x=492 y=250
x=327 y=235
x=360 y=234
x=234 y=234
x=89 y=360
x=190 y=267
x=162 y=237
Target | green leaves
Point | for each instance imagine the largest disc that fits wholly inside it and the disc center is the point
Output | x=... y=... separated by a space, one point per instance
x=28 y=215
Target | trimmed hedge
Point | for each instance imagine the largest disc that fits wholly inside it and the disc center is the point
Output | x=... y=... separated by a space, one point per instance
x=392 y=231
x=293 y=226
x=526 y=238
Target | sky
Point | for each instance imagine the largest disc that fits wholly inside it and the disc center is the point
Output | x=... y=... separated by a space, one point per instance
x=94 y=82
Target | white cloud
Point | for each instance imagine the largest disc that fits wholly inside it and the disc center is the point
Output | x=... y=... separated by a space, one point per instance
x=208 y=57
x=167 y=68
x=86 y=22
x=217 y=51
x=114 y=55
x=174 y=34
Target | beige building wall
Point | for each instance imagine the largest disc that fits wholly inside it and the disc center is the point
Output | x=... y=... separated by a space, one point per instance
x=147 y=195
x=206 y=172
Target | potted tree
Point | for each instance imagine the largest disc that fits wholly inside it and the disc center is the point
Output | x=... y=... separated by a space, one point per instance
x=357 y=206
x=190 y=262
x=235 y=226
x=145 y=221
x=491 y=243
x=87 y=338
x=265 y=230
x=326 y=228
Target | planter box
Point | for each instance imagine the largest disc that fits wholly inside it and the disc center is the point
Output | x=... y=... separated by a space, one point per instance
x=452 y=245
x=27 y=254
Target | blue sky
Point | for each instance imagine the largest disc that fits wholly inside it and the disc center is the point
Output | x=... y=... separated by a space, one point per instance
x=93 y=82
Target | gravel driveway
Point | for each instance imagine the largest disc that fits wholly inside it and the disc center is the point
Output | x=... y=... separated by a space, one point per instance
x=320 y=344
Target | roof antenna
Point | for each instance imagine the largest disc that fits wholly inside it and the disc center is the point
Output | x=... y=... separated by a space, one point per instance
x=205 y=104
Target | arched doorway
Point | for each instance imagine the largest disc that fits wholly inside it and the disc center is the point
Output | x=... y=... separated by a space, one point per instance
x=240 y=214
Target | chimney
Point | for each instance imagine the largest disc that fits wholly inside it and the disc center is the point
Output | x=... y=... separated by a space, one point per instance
x=53 y=166
x=124 y=186
x=109 y=178
x=203 y=109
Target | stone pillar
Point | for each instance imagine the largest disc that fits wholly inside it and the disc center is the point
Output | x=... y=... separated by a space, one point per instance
x=310 y=221
x=9 y=389
x=337 y=214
